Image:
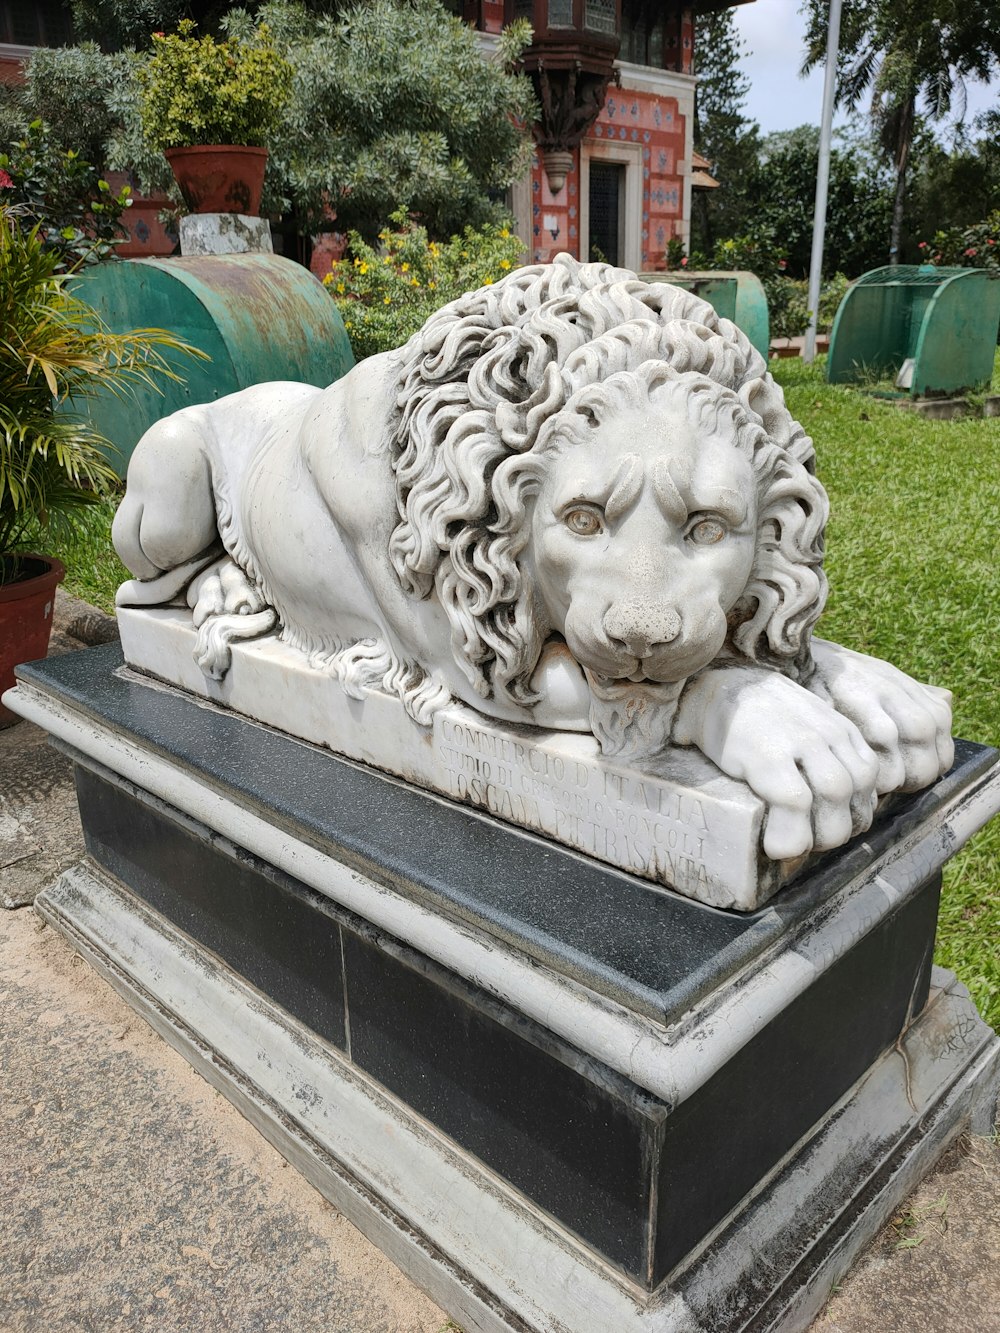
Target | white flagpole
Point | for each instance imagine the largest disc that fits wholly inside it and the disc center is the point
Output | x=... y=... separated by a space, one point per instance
x=822 y=177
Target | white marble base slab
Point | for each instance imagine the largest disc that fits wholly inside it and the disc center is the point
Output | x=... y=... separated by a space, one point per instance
x=677 y=822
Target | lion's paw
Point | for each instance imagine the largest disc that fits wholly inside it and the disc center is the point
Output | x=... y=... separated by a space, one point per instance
x=809 y=764
x=907 y=724
x=223 y=590
x=225 y=607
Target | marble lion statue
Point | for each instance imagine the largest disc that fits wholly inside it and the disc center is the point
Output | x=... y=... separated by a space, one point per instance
x=572 y=500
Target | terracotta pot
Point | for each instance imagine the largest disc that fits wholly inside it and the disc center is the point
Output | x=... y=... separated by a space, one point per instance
x=26 y=617
x=148 y=238
x=216 y=178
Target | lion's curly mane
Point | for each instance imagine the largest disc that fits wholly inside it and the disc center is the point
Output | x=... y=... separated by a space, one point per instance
x=486 y=373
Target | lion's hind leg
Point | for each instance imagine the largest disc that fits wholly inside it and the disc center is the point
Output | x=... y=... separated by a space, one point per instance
x=167 y=518
x=226 y=607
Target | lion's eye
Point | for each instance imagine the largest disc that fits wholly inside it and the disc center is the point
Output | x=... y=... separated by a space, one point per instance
x=707 y=531
x=584 y=522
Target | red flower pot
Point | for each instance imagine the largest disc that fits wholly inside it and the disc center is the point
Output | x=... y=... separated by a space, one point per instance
x=216 y=178
x=26 y=617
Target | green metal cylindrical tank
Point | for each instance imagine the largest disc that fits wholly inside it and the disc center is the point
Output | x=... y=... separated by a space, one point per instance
x=735 y=294
x=259 y=317
x=935 y=327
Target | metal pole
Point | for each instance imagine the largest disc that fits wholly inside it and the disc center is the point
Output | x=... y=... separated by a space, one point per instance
x=822 y=177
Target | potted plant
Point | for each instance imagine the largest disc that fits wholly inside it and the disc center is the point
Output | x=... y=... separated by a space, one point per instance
x=211 y=106
x=52 y=348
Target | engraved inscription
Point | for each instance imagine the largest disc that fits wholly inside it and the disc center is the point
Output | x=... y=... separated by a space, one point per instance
x=630 y=821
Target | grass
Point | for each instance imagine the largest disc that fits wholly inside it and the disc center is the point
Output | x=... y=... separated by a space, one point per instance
x=93 y=570
x=912 y=547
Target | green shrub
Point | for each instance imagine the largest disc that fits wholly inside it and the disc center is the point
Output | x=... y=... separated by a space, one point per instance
x=196 y=90
x=395 y=105
x=977 y=246
x=75 y=211
x=384 y=295
x=787 y=306
x=89 y=102
x=758 y=251
x=76 y=91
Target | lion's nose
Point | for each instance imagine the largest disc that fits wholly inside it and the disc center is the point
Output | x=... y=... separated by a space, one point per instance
x=640 y=627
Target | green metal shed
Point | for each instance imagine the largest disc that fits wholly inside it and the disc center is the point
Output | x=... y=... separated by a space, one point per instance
x=259 y=317
x=933 y=328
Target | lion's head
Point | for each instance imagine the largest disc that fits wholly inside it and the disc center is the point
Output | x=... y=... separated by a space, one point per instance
x=583 y=454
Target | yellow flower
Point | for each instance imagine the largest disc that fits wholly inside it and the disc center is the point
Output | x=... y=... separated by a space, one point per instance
x=364 y=268
x=341 y=287
x=505 y=233
x=414 y=283
x=488 y=282
x=387 y=300
x=387 y=259
x=348 y=325
x=357 y=262
x=405 y=268
x=505 y=263
x=328 y=279
x=432 y=285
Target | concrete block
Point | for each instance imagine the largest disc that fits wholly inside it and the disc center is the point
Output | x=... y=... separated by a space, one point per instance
x=224 y=234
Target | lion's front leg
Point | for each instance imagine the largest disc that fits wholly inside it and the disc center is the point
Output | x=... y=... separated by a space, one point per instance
x=907 y=724
x=808 y=763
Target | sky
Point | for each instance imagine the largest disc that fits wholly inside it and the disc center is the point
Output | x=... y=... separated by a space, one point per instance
x=774 y=33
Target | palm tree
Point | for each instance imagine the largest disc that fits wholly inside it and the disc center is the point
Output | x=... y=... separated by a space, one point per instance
x=906 y=52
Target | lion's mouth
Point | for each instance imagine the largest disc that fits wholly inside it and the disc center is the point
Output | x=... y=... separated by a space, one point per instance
x=657 y=671
x=640 y=676
x=616 y=687
x=637 y=677
x=632 y=719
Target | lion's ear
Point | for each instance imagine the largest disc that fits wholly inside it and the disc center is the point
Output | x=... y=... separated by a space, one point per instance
x=519 y=423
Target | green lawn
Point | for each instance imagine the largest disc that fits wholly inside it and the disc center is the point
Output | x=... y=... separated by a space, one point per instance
x=93 y=570
x=912 y=553
x=913 y=548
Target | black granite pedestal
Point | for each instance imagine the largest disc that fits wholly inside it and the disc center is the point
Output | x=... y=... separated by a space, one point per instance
x=558 y=1097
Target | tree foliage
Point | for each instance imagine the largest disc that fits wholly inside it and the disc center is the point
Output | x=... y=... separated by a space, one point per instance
x=723 y=134
x=859 y=204
x=394 y=106
x=908 y=55
x=953 y=187
x=117 y=24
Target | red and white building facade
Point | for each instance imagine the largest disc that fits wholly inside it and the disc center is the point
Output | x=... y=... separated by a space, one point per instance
x=616 y=81
x=627 y=190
